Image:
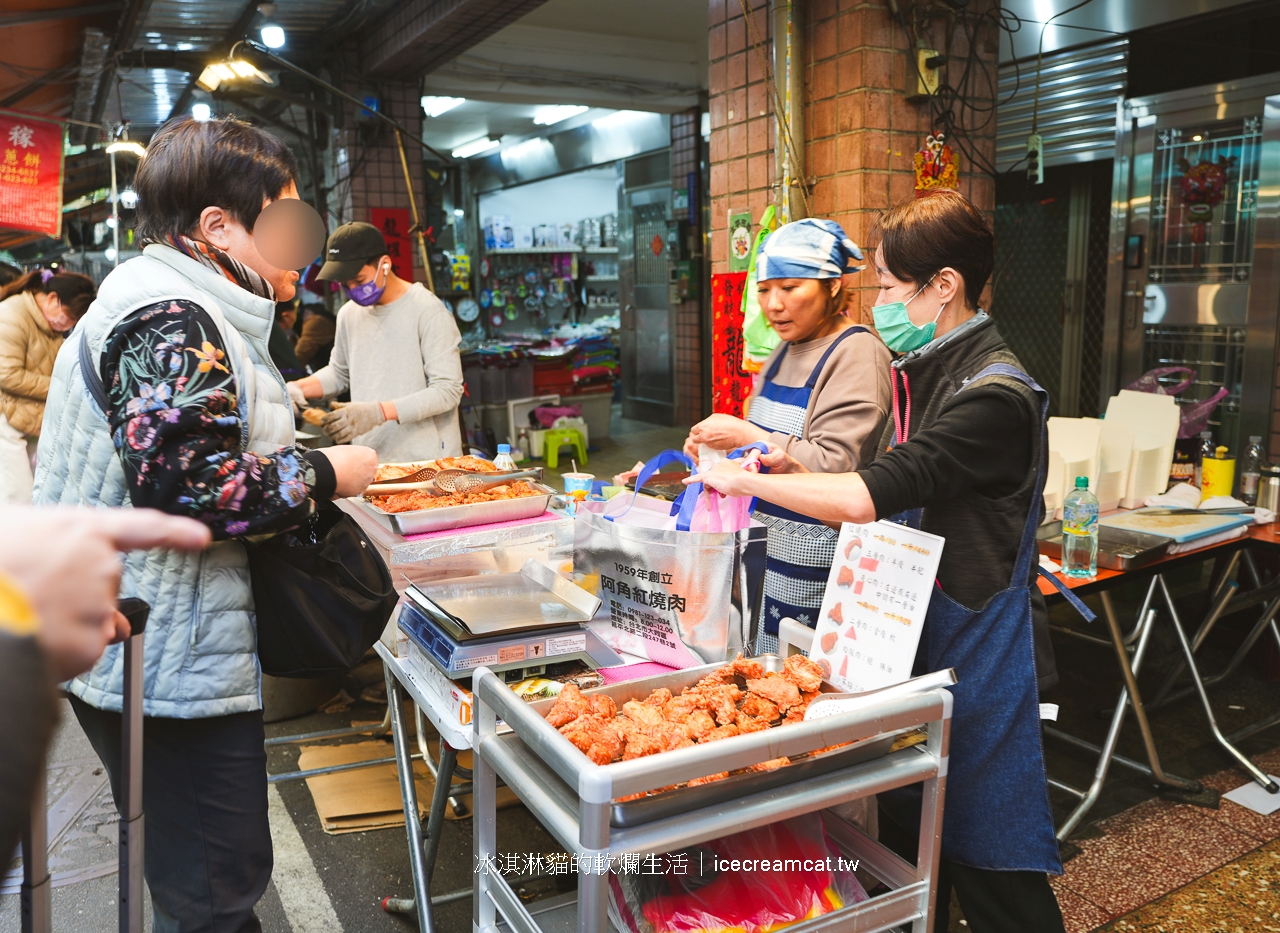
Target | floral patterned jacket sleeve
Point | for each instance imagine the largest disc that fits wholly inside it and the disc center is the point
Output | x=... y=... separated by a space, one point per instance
x=176 y=423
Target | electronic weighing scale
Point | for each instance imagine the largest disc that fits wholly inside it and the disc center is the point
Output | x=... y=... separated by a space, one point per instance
x=508 y=622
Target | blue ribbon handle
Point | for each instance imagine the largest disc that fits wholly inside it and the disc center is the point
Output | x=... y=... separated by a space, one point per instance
x=687 y=502
x=649 y=470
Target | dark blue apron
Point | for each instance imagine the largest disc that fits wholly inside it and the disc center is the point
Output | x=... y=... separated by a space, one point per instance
x=801 y=549
x=997 y=814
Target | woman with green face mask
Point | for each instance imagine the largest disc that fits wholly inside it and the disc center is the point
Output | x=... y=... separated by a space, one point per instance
x=965 y=460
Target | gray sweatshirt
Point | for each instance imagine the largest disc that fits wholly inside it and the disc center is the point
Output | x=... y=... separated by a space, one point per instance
x=407 y=353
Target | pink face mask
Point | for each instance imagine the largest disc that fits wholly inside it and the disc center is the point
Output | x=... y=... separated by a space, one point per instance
x=60 y=321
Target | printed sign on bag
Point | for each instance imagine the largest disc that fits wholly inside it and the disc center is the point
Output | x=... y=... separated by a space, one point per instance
x=874 y=605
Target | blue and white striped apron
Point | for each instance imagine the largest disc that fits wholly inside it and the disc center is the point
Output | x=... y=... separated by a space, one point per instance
x=801 y=549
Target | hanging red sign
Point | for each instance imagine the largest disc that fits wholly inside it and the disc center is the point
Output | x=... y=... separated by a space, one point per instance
x=394 y=224
x=31 y=173
x=730 y=386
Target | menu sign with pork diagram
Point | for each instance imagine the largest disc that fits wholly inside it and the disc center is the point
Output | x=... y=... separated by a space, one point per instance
x=874 y=605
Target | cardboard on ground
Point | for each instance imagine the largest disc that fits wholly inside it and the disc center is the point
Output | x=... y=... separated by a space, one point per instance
x=1154 y=420
x=369 y=798
x=874 y=605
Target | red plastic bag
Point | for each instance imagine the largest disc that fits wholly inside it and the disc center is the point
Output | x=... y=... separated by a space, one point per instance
x=756 y=881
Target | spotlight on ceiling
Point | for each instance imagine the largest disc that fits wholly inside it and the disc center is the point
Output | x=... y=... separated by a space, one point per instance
x=202 y=111
x=434 y=106
x=546 y=116
x=128 y=199
x=231 y=70
x=273 y=35
x=127 y=145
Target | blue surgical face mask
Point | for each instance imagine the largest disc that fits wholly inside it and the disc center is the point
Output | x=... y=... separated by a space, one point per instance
x=369 y=292
x=899 y=333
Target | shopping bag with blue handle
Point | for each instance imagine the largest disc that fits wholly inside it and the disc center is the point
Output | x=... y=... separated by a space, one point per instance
x=673 y=590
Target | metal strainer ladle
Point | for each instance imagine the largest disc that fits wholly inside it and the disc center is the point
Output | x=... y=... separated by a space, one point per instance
x=464 y=482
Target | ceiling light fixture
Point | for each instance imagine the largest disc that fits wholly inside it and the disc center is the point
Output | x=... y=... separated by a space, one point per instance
x=475 y=147
x=617 y=119
x=554 y=113
x=201 y=112
x=272 y=35
x=128 y=199
x=434 y=106
x=235 y=69
x=127 y=145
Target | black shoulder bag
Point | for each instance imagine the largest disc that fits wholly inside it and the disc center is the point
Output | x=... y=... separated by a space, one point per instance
x=321 y=593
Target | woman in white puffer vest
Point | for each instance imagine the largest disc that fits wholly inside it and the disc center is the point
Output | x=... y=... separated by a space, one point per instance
x=198 y=424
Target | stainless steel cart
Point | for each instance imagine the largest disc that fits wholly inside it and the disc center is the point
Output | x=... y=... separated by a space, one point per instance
x=574 y=800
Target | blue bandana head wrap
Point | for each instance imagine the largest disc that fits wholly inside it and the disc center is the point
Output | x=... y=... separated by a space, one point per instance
x=808 y=249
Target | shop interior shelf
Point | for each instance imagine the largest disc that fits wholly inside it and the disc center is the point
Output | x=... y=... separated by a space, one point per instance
x=602 y=278
x=600 y=249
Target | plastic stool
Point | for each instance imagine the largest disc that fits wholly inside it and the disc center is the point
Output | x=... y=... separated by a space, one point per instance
x=556 y=438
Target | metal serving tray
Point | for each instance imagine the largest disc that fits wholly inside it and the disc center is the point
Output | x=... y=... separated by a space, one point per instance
x=1118 y=549
x=685 y=799
x=459 y=516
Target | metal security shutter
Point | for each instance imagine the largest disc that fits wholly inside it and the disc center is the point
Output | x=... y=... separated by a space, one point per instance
x=1079 y=89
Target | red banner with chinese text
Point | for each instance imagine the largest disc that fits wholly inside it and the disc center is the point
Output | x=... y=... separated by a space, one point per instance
x=31 y=173
x=730 y=386
x=394 y=224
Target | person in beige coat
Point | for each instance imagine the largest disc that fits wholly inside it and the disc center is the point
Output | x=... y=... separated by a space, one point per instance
x=36 y=311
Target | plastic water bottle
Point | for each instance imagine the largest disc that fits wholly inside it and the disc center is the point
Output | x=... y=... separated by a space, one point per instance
x=504 y=461
x=1251 y=471
x=1205 y=451
x=1080 y=531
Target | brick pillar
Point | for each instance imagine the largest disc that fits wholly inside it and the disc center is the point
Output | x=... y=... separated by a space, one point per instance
x=861 y=132
x=368 y=169
x=686 y=145
x=742 y=147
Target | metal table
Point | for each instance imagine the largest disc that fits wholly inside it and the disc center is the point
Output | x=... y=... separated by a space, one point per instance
x=1130 y=649
x=572 y=798
x=424 y=843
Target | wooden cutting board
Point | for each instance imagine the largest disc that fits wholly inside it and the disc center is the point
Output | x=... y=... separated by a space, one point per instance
x=1178 y=527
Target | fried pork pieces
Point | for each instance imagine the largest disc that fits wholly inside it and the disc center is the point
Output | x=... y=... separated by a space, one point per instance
x=714 y=708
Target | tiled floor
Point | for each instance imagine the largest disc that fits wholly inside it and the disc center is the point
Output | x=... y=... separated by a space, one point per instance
x=1165 y=866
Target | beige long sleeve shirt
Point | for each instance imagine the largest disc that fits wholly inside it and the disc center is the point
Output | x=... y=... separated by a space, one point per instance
x=848 y=405
x=405 y=352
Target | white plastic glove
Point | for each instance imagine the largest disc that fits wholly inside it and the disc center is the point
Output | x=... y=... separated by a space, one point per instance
x=296 y=397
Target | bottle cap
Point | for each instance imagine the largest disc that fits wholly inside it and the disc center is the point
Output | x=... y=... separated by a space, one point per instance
x=1206 y=434
x=1082 y=482
x=1255 y=438
x=504 y=448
